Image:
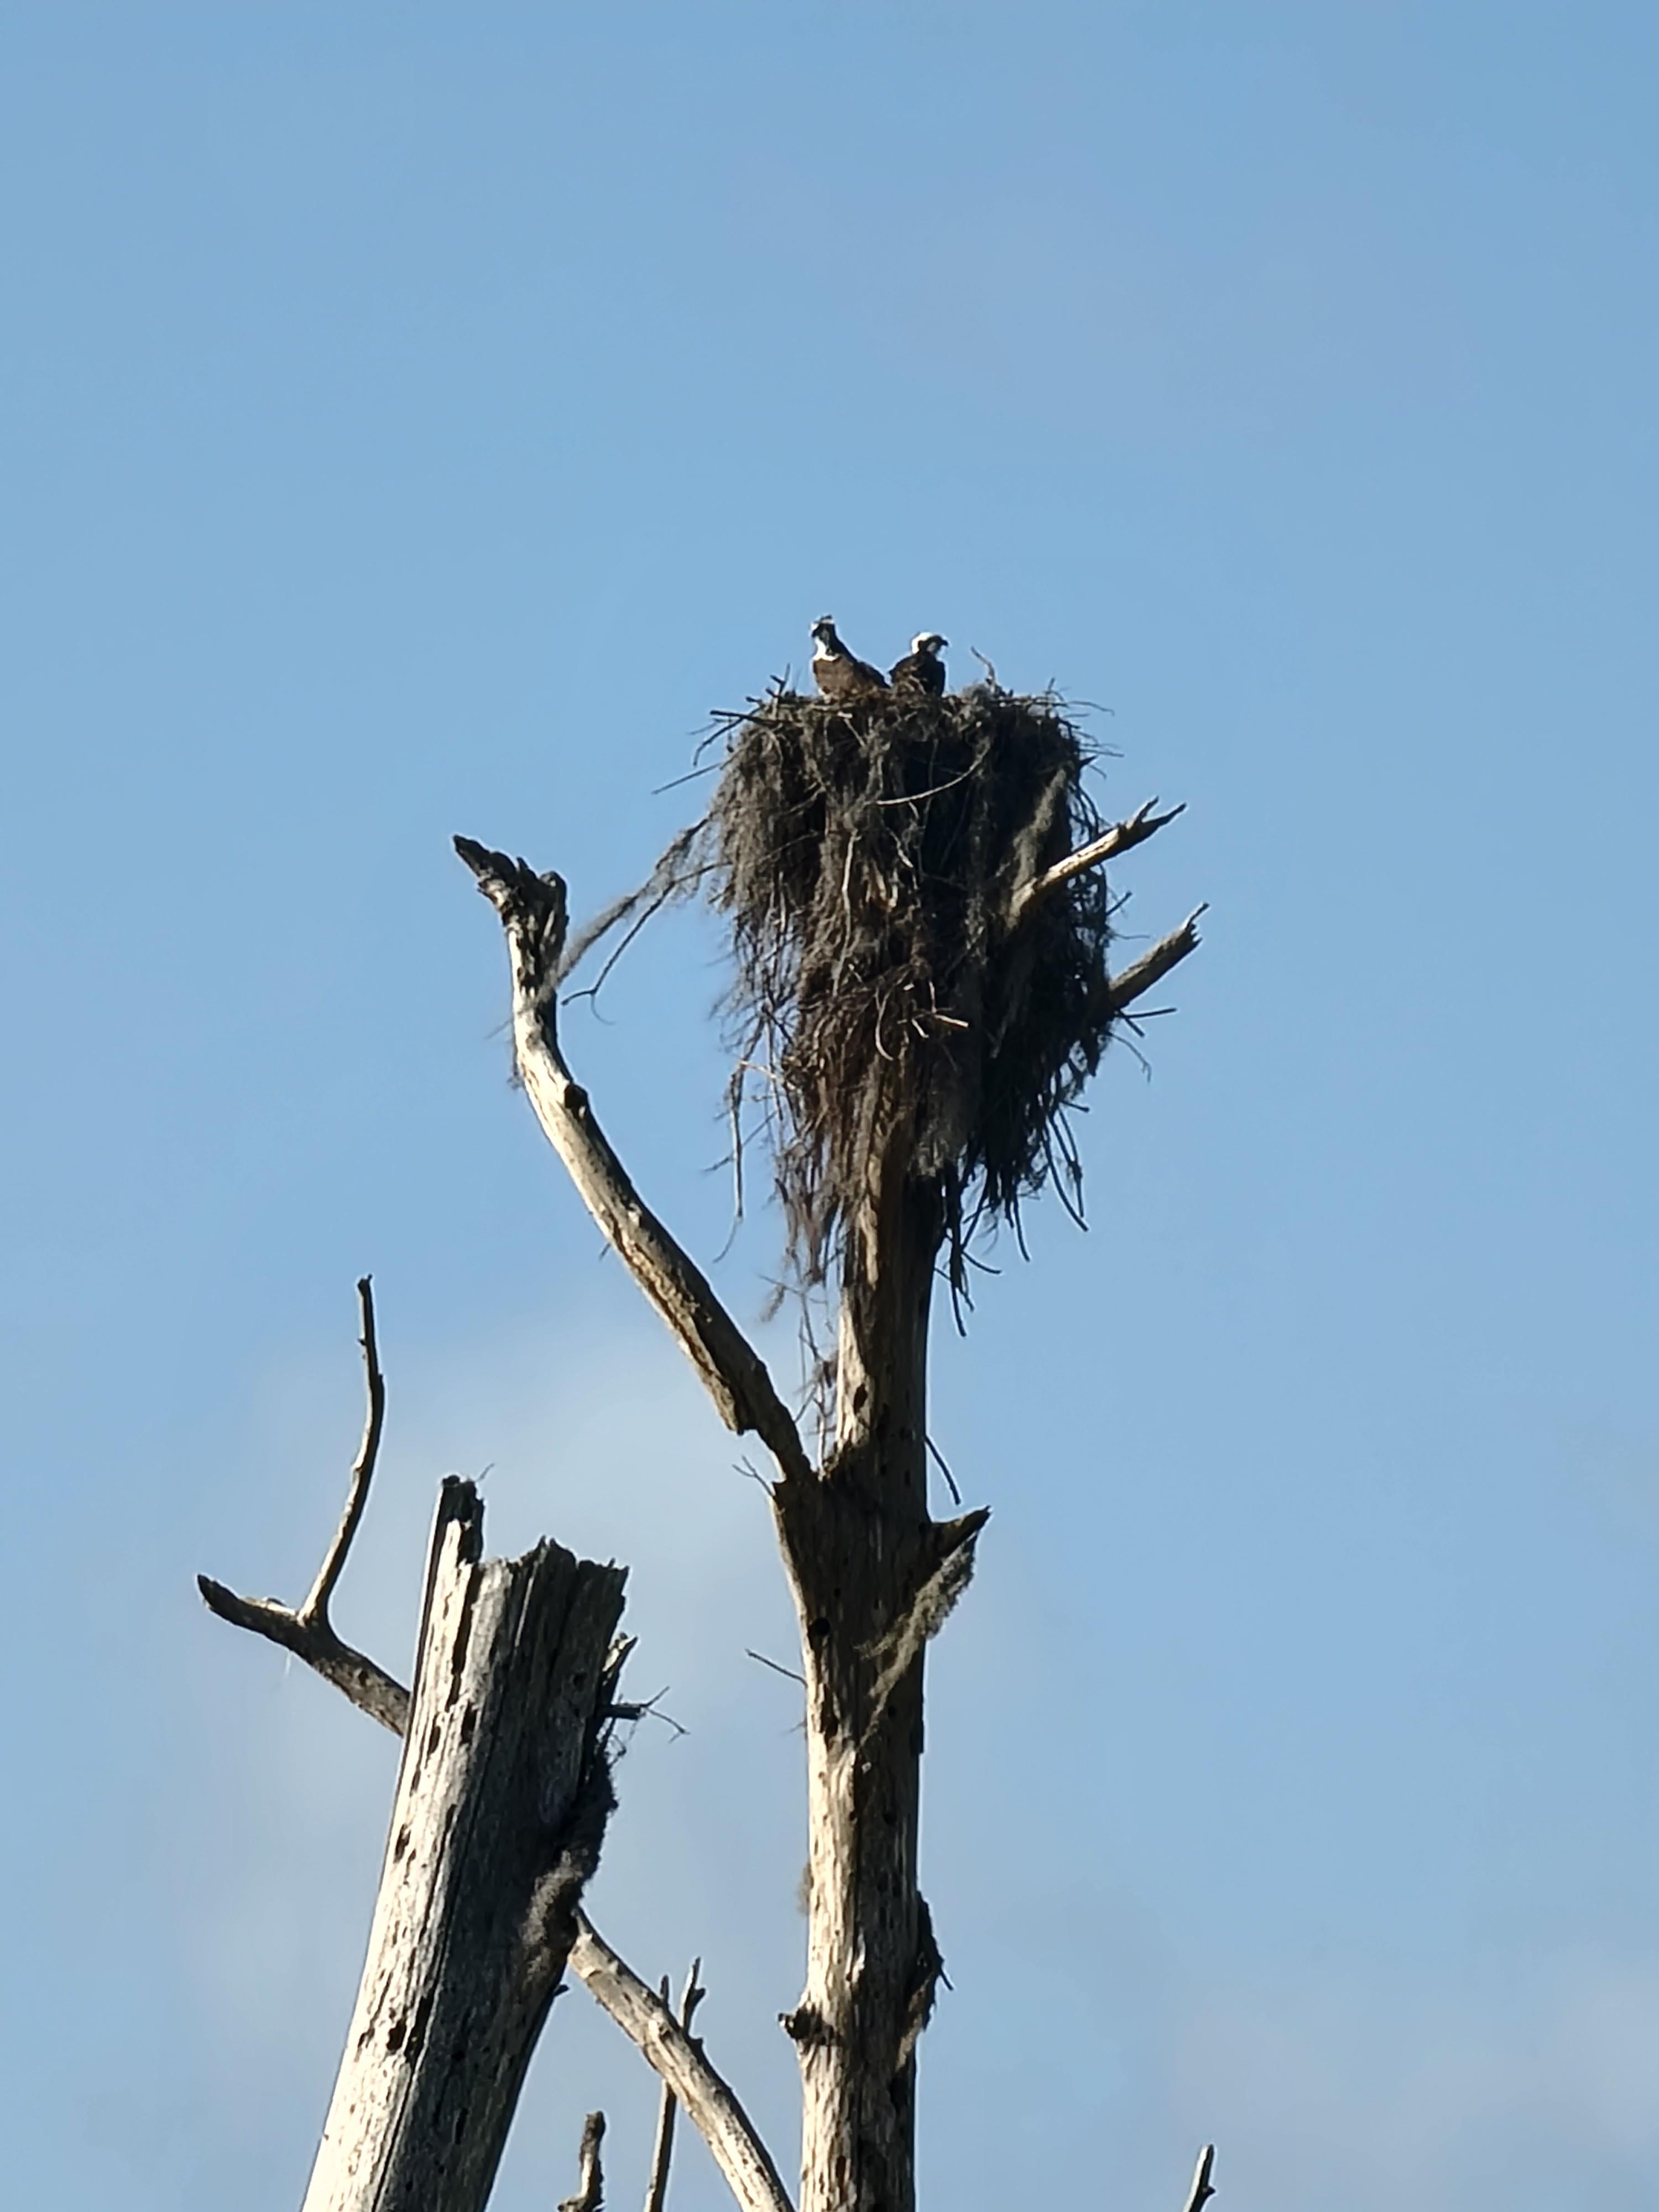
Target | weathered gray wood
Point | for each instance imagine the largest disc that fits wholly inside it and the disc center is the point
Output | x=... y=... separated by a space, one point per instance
x=737 y=2150
x=873 y=1577
x=873 y=1574
x=534 y=913
x=501 y=1805
x=678 y=2059
x=1134 y=830
x=1139 y=977
x=662 y=2150
x=352 y=1672
x=589 y=2190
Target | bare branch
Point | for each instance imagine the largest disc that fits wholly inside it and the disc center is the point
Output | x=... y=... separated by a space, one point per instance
x=656 y=2196
x=1201 y=2191
x=1152 y=967
x=363 y=1473
x=589 y=2190
x=1140 y=825
x=306 y=1630
x=679 y=2057
x=368 y=1686
x=532 y=908
x=927 y=1610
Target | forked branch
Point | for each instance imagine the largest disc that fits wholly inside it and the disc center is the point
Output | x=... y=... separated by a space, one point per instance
x=1138 y=826
x=1152 y=967
x=532 y=910
x=656 y=2195
x=678 y=2059
x=307 y=1630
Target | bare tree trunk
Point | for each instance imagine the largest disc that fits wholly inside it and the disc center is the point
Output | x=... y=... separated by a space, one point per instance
x=503 y=1792
x=866 y=1559
x=873 y=1575
x=500 y=1807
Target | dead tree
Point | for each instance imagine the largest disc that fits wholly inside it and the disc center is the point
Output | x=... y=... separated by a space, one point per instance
x=503 y=1794
x=920 y=923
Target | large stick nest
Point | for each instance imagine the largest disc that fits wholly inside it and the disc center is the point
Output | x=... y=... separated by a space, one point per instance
x=869 y=856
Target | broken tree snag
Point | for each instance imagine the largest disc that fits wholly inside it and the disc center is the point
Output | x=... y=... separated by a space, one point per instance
x=502 y=1801
x=686 y=2073
x=1134 y=829
x=589 y=2190
x=1136 y=979
x=1201 y=2192
x=533 y=912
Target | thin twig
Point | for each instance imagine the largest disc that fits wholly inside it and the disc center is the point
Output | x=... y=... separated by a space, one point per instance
x=939 y=1462
x=678 y=2059
x=532 y=907
x=307 y=1630
x=363 y=1473
x=656 y=2196
x=1201 y=2191
x=1134 y=830
x=590 y=2188
x=1152 y=967
x=788 y=1673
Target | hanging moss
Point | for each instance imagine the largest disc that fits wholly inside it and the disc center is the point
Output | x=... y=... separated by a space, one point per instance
x=890 y=990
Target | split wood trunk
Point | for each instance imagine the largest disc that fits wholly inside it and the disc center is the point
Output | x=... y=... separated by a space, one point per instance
x=500 y=1807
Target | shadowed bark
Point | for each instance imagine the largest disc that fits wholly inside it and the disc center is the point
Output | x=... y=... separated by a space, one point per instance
x=500 y=1807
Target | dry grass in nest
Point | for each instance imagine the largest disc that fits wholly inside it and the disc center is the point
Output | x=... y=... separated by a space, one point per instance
x=887 y=991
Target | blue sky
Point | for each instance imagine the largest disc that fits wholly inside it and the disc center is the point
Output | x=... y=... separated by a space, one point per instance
x=415 y=420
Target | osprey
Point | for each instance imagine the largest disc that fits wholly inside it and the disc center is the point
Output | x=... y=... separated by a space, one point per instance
x=839 y=674
x=921 y=669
